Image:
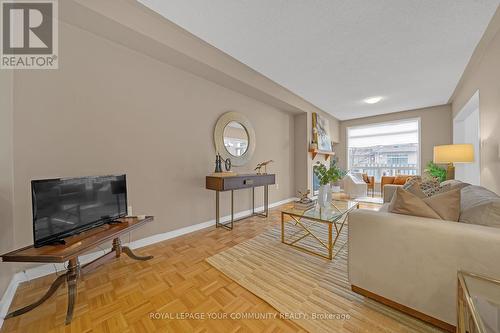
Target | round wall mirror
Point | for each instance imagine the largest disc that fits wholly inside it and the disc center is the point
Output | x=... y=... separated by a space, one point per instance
x=235 y=139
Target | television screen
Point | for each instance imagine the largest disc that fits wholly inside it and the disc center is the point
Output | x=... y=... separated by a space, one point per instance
x=66 y=206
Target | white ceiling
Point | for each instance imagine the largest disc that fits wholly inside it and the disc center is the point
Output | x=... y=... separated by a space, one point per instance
x=335 y=53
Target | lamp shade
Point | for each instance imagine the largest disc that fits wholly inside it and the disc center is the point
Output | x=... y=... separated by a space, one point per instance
x=459 y=153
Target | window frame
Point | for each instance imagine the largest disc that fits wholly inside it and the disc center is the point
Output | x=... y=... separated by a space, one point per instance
x=396 y=121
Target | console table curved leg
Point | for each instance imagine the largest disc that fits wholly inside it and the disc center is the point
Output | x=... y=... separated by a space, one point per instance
x=57 y=282
x=132 y=255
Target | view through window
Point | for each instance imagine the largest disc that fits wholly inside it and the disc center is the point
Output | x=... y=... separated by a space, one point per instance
x=386 y=149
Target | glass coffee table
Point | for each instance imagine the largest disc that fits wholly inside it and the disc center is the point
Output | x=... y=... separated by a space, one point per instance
x=478 y=304
x=316 y=230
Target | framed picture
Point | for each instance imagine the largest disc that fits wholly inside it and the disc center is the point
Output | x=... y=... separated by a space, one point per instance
x=321 y=132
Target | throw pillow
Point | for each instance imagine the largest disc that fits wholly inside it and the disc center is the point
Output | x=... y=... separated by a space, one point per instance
x=403 y=202
x=480 y=206
x=415 y=189
x=444 y=206
x=412 y=180
x=453 y=183
x=400 y=180
x=433 y=187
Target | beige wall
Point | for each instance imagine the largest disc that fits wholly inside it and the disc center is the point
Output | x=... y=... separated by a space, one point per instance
x=301 y=154
x=141 y=29
x=483 y=74
x=435 y=129
x=109 y=109
x=6 y=174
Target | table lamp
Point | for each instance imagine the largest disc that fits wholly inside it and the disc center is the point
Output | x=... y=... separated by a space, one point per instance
x=449 y=154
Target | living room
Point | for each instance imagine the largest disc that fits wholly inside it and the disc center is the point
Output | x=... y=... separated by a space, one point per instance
x=133 y=84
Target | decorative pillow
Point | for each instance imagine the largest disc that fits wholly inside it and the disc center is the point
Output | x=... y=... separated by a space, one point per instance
x=403 y=202
x=400 y=180
x=453 y=183
x=365 y=178
x=414 y=189
x=429 y=186
x=444 y=206
x=480 y=206
x=412 y=180
x=433 y=187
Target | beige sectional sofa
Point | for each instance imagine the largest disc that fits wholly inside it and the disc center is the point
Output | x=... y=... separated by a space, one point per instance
x=412 y=262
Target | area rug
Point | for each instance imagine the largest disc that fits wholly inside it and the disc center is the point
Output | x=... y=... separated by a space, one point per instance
x=312 y=291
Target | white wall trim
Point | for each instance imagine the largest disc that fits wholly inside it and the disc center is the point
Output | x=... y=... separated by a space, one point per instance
x=8 y=296
x=46 y=269
x=467 y=129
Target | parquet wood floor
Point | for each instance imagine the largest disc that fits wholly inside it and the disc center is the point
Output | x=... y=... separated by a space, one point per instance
x=121 y=296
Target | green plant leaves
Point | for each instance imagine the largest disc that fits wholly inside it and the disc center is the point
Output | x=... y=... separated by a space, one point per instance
x=328 y=175
x=436 y=171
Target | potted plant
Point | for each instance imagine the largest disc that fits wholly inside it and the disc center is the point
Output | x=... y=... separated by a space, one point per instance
x=436 y=171
x=338 y=174
x=327 y=177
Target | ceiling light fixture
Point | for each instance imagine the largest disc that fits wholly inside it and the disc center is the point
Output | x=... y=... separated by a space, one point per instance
x=372 y=100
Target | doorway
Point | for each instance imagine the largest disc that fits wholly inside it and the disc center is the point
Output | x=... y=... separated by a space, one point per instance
x=466 y=129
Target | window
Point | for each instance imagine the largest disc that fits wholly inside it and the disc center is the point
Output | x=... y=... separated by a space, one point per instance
x=398 y=159
x=385 y=149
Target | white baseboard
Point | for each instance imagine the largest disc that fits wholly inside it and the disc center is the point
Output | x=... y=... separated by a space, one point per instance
x=186 y=230
x=46 y=269
x=8 y=296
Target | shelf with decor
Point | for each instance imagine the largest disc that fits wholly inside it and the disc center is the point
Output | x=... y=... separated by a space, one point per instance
x=325 y=153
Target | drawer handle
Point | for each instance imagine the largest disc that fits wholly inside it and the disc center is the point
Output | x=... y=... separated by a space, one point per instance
x=248 y=181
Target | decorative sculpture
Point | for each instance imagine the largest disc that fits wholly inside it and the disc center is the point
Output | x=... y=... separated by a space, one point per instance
x=218 y=163
x=262 y=165
x=227 y=164
x=304 y=202
x=304 y=196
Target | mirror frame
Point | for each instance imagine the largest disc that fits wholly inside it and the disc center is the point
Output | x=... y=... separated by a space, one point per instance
x=221 y=124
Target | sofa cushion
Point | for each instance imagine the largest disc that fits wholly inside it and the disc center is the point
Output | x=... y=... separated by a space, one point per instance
x=384 y=208
x=443 y=206
x=388 y=191
x=480 y=206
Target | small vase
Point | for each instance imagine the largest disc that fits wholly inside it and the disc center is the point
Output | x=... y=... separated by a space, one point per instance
x=324 y=195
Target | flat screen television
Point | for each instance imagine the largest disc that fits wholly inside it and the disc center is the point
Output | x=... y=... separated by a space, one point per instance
x=66 y=206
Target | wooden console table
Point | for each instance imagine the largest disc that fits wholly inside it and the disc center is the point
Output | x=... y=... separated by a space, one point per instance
x=238 y=182
x=75 y=246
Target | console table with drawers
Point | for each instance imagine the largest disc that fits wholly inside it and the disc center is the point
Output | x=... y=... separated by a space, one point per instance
x=237 y=182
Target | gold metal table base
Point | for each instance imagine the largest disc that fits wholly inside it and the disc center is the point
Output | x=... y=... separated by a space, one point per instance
x=297 y=220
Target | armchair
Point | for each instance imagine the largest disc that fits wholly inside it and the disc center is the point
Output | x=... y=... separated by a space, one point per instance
x=354 y=185
x=394 y=182
x=370 y=182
